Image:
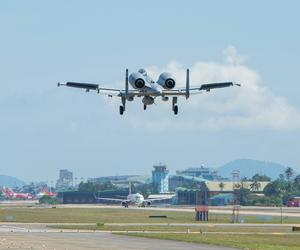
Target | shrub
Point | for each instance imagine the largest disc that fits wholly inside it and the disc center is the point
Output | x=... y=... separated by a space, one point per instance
x=49 y=200
x=100 y=224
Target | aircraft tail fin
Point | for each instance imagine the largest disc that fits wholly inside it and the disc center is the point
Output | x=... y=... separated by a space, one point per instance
x=7 y=192
x=187 y=86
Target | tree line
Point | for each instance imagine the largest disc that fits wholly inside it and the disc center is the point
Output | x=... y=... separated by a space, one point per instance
x=277 y=192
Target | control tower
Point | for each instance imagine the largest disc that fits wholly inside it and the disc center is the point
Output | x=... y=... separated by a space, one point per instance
x=160 y=179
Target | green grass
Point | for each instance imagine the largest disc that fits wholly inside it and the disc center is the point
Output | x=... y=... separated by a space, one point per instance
x=115 y=215
x=90 y=215
x=250 y=242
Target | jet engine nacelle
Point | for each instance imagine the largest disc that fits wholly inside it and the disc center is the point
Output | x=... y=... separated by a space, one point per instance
x=124 y=203
x=166 y=80
x=147 y=203
x=137 y=80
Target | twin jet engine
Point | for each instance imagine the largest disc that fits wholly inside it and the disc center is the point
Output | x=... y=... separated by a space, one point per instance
x=140 y=79
x=166 y=80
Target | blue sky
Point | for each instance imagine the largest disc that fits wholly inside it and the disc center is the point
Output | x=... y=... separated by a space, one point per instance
x=44 y=128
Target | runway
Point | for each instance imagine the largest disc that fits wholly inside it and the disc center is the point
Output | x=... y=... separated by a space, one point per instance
x=90 y=240
x=15 y=227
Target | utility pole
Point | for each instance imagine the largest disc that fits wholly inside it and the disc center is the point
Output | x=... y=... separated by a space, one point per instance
x=281 y=217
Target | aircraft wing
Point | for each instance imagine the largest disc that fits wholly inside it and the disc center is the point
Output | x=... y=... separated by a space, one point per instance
x=110 y=199
x=159 y=199
x=198 y=90
x=101 y=90
x=91 y=86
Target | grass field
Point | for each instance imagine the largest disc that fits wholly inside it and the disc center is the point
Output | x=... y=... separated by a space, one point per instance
x=239 y=236
x=115 y=215
x=250 y=242
x=90 y=215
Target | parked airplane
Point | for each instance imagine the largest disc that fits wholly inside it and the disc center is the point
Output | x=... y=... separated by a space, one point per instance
x=46 y=192
x=144 y=86
x=10 y=194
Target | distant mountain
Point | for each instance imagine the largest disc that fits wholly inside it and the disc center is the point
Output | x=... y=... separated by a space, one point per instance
x=248 y=168
x=9 y=181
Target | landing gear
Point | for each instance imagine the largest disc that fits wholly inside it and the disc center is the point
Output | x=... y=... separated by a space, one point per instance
x=174 y=106
x=145 y=107
x=122 y=107
x=121 y=110
x=175 y=110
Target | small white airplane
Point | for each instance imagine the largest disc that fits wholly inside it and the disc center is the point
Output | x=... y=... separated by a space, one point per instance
x=144 y=86
x=136 y=199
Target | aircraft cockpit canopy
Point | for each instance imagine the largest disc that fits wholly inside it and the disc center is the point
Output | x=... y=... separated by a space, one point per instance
x=143 y=72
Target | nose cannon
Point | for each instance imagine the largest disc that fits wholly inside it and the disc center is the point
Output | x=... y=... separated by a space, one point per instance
x=148 y=100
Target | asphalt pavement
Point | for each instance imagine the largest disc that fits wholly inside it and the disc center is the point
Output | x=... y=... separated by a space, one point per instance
x=38 y=236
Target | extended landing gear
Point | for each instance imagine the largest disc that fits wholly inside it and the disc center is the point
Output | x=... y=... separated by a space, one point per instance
x=122 y=110
x=175 y=109
x=174 y=106
x=145 y=107
x=122 y=107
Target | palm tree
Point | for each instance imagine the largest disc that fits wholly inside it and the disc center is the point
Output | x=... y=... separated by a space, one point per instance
x=221 y=186
x=289 y=172
x=255 y=185
x=297 y=180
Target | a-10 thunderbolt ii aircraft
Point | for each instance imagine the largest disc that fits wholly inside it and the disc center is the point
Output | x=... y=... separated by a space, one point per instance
x=144 y=86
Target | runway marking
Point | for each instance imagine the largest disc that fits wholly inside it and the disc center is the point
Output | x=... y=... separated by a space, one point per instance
x=144 y=231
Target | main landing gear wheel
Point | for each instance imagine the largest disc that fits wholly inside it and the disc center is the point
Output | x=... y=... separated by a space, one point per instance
x=174 y=106
x=175 y=110
x=145 y=107
x=121 y=110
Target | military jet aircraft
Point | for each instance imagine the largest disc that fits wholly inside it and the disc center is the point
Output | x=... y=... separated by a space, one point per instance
x=144 y=86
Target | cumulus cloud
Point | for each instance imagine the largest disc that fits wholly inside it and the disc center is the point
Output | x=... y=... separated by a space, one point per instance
x=232 y=56
x=252 y=106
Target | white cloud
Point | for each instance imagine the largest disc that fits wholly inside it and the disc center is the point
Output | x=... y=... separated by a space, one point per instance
x=232 y=56
x=252 y=106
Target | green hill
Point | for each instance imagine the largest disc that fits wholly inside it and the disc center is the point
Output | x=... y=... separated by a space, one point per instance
x=248 y=168
x=9 y=181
